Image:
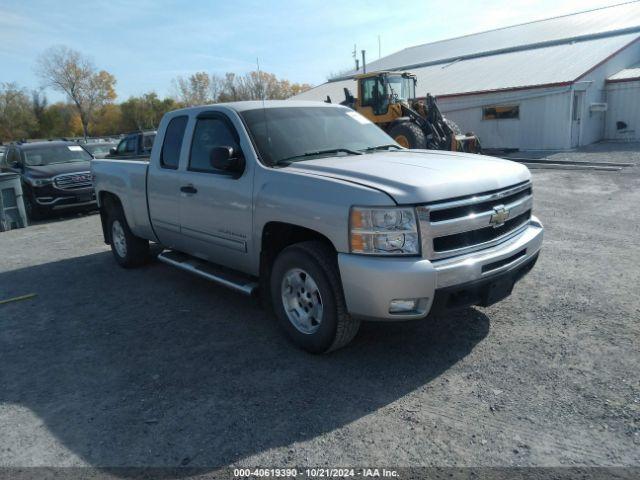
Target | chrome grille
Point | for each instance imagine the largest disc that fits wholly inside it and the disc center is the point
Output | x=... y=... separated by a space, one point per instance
x=72 y=181
x=464 y=225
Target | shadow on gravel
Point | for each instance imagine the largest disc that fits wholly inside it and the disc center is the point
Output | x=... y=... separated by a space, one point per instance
x=152 y=367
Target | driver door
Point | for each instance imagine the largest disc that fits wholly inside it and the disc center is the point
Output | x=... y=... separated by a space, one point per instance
x=215 y=206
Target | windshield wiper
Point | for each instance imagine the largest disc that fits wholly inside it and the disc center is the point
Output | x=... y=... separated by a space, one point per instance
x=318 y=152
x=380 y=147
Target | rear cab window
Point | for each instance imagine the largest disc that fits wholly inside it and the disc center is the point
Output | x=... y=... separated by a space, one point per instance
x=172 y=144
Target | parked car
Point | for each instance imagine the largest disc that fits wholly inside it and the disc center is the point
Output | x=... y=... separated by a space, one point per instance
x=55 y=176
x=99 y=149
x=323 y=212
x=2 y=152
x=134 y=146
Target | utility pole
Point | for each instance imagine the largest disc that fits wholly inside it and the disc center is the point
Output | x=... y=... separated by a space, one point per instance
x=364 y=63
x=379 y=47
x=354 y=54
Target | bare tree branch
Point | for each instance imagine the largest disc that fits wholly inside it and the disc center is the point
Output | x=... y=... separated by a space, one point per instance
x=73 y=74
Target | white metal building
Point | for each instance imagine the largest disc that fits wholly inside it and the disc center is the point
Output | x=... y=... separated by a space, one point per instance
x=623 y=102
x=550 y=84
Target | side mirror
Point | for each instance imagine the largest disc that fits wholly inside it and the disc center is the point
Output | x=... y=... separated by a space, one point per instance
x=226 y=159
x=113 y=151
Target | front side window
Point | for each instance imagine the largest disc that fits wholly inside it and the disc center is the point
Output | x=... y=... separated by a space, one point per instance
x=210 y=133
x=403 y=87
x=54 y=154
x=374 y=95
x=172 y=144
x=369 y=91
x=284 y=133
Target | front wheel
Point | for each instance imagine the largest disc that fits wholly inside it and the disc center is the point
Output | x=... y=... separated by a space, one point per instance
x=306 y=293
x=409 y=135
x=128 y=250
x=33 y=211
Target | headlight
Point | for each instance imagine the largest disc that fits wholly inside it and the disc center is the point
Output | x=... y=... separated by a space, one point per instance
x=384 y=231
x=39 y=182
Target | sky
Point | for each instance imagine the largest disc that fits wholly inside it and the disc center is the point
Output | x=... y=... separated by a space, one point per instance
x=147 y=43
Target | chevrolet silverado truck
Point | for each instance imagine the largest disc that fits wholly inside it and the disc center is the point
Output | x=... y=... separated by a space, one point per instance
x=323 y=213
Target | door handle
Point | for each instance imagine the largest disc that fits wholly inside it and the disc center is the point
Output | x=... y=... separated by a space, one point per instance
x=188 y=189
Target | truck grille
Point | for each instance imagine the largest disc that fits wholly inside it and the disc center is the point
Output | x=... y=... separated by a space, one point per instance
x=467 y=224
x=72 y=181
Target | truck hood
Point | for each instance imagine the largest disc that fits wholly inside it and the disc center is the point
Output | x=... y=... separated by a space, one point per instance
x=420 y=176
x=48 y=171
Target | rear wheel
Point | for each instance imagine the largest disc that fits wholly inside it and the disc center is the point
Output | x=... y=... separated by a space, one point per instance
x=128 y=250
x=409 y=135
x=306 y=293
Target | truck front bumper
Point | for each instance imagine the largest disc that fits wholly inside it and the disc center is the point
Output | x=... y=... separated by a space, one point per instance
x=484 y=277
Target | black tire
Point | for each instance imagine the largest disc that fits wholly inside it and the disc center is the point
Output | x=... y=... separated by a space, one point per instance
x=336 y=327
x=409 y=134
x=136 y=251
x=33 y=211
x=453 y=126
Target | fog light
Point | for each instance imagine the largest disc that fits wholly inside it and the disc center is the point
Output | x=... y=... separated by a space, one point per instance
x=403 y=305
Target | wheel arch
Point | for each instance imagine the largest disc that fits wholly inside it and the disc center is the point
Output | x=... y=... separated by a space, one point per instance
x=108 y=201
x=277 y=235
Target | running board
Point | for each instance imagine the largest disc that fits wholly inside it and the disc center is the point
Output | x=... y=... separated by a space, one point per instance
x=223 y=276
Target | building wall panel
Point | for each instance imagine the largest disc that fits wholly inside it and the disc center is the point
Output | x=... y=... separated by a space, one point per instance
x=544 y=122
x=623 y=100
x=593 y=123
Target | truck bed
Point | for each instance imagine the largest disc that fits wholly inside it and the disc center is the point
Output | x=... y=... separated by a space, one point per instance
x=128 y=180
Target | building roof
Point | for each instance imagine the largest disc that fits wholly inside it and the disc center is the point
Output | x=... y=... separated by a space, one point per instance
x=626 y=75
x=547 y=52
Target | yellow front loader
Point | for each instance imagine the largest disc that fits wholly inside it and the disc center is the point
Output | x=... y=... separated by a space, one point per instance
x=389 y=100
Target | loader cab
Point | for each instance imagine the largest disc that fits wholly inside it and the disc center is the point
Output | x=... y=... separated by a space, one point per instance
x=380 y=94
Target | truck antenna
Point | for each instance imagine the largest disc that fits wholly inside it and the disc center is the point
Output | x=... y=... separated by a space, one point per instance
x=264 y=108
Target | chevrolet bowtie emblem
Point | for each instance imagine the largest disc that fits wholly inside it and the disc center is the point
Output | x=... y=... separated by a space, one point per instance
x=499 y=216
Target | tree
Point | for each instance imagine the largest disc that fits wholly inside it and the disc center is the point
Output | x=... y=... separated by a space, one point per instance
x=70 y=72
x=107 y=120
x=144 y=112
x=194 y=90
x=259 y=85
x=201 y=88
x=17 y=119
x=39 y=106
x=60 y=120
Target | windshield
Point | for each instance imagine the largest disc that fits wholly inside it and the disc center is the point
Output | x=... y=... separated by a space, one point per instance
x=53 y=154
x=100 y=148
x=402 y=86
x=289 y=132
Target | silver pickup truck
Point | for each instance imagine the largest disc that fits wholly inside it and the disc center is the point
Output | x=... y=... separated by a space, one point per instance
x=323 y=213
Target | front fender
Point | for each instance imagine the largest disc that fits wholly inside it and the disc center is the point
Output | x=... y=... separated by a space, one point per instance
x=315 y=202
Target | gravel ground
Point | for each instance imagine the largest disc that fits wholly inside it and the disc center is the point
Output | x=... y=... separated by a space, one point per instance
x=153 y=367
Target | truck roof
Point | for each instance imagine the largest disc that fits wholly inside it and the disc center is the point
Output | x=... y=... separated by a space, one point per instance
x=257 y=104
